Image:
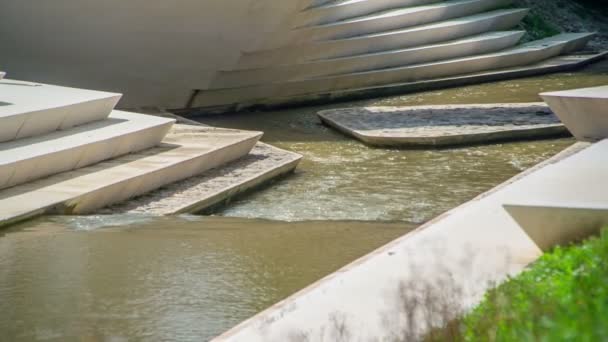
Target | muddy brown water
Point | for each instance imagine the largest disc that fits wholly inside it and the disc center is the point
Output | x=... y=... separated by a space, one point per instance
x=124 y=278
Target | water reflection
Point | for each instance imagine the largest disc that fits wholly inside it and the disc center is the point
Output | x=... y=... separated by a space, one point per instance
x=168 y=279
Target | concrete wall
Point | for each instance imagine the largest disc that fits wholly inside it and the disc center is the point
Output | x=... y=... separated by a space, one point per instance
x=154 y=51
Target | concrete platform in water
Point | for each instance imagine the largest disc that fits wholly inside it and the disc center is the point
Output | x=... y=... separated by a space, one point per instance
x=447 y=125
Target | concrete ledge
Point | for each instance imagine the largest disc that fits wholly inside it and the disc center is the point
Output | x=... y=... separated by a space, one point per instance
x=394 y=19
x=194 y=150
x=552 y=224
x=335 y=11
x=583 y=111
x=213 y=188
x=32 y=158
x=563 y=63
x=390 y=40
x=54 y=108
x=526 y=54
x=446 y=125
x=478 y=44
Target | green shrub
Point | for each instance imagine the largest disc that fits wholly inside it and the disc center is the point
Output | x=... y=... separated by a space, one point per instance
x=562 y=297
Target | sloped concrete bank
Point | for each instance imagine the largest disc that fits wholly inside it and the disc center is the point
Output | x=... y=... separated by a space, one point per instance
x=214 y=188
x=453 y=259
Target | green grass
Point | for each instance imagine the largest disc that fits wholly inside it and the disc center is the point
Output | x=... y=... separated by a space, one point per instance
x=562 y=297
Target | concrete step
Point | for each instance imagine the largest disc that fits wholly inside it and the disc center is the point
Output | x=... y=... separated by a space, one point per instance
x=87 y=189
x=343 y=10
x=390 y=40
x=478 y=44
x=529 y=53
x=32 y=158
x=54 y=108
x=335 y=11
x=583 y=111
x=394 y=19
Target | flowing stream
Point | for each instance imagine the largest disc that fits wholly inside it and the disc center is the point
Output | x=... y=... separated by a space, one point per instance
x=124 y=277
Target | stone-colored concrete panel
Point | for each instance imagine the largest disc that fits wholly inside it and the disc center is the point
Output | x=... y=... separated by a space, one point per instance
x=335 y=11
x=475 y=45
x=398 y=39
x=552 y=224
x=395 y=19
x=445 y=125
x=528 y=53
x=87 y=189
x=33 y=108
x=583 y=111
x=32 y=158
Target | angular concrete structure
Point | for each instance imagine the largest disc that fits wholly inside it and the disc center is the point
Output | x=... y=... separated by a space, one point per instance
x=32 y=158
x=297 y=36
x=390 y=40
x=559 y=223
x=54 y=108
x=66 y=150
x=528 y=53
x=483 y=43
x=583 y=111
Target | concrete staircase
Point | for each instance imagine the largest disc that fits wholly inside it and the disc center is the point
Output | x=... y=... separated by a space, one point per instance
x=335 y=46
x=65 y=150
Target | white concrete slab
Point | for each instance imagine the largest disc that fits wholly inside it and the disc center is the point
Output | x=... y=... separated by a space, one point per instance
x=84 y=190
x=393 y=19
x=390 y=40
x=32 y=158
x=583 y=111
x=474 y=45
x=459 y=254
x=2 y=74
x=34 y=108
x=522 y=55
x=340 y=10
x=559 y=222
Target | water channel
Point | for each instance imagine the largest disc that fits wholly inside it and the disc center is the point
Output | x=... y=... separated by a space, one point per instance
x=119 y=278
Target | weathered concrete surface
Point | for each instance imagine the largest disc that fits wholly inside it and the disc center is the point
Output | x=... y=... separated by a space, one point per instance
x=214 y=187
x=394 y=19
x=397 y=39
x=563 y=63
x=33 y=109
x=32 y=158
x=521 y=55
x=136 y=47
x=453 y=260
x=583 y=111
x=477 y=44
x=192 y=151
x=445 y=125
x=340 y=10
x=559 y=222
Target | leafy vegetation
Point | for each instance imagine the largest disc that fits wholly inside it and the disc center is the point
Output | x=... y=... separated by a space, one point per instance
x=537 y=28
x=563 y=297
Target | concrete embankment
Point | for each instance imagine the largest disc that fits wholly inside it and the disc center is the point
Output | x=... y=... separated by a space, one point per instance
x=453 y=259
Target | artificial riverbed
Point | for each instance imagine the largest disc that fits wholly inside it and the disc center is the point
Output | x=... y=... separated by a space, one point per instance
x=187 y=279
